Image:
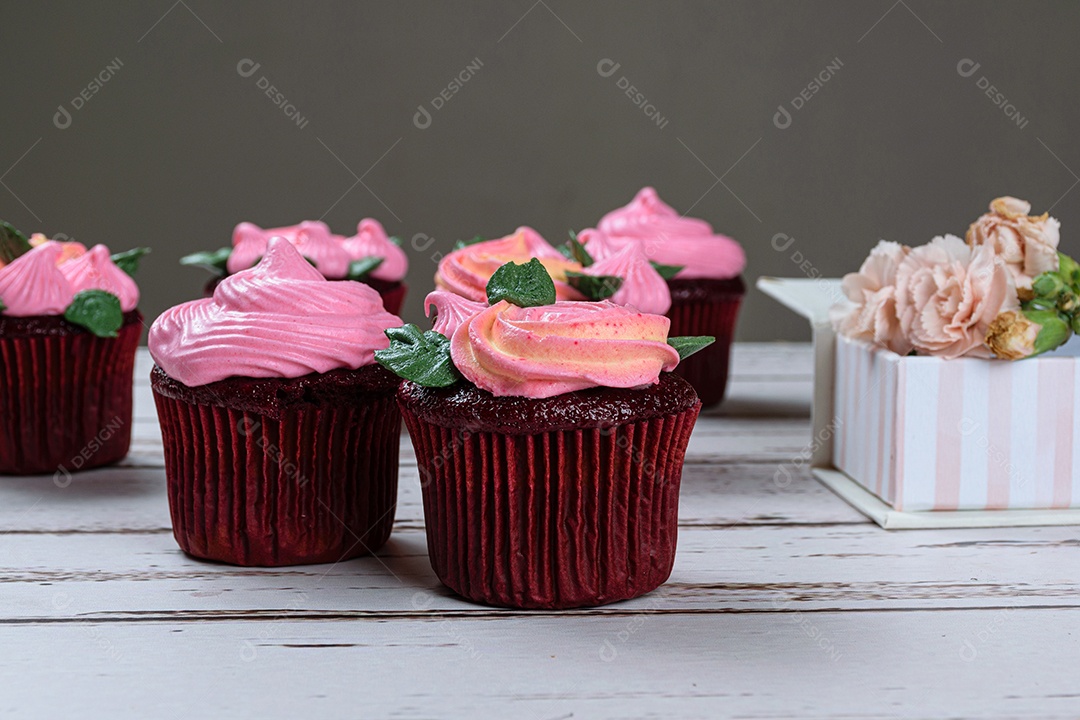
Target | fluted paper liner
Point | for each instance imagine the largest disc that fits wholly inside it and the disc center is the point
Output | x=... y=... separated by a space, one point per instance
x=65 y=396
x=559 y=519
x=316 y=485
x=707 y=370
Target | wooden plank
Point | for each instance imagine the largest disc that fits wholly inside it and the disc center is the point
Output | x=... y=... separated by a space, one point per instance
x=132 y=499
x=742 y=568
x=971 y=664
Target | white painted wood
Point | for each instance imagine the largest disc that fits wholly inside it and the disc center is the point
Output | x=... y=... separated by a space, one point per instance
x=784 y=602
x=741 y=568
x=884 y=515
x=975 y=664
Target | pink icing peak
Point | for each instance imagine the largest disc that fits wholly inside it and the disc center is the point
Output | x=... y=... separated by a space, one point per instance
x=312 y=238
x=281 y=318
x=95 y=270
x=467 y=271
x=544 y=351
x=671 y=239
x=642 y=286
x=33 y=285
x=598 y=244
x=371 y=240
x=451 y=310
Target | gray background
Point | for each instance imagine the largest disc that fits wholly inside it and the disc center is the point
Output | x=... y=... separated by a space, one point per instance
x=178 y=147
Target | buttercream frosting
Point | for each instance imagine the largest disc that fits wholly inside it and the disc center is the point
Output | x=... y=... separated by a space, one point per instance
x=281 y=318
x=549 y=350
x=466 y=271
x=46 y=279
x=95 y=270
x=671 y=239
x=371 y=240
x=32 y=284
x=450 y=310
x=642 y=286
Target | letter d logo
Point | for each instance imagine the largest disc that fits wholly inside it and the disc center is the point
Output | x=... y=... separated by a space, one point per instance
x=607 y=67
x=782 y=118
x=967 y=67
x=62 y=118
x=247 y=67
x=422 y=118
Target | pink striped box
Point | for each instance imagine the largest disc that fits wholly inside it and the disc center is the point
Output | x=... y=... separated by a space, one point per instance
x=920 y=442
x=924 y=433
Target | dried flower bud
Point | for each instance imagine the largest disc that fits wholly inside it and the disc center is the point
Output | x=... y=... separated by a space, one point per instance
x=1012 y=336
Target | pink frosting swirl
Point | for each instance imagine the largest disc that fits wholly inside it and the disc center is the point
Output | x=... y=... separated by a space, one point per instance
x=466 y=271
x=33 y=284
x=95 y=270
x=281 y=318
x=540 y=352
x=312 y=238
x=46 y=279
x=371 y=240
x=642 y=287
x=670 y=239
x=451 y=310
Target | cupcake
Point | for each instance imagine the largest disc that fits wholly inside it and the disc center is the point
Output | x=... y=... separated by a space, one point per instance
x=626 y=277
x=68 y=332
x=369 y=256
x=550 y=438
x=466 y=270
x=280 y=431
x=703 y=274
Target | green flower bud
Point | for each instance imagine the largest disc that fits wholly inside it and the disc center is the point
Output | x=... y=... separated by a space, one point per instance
x=1069 y=270
x=1053 y=331
x=1048 y=285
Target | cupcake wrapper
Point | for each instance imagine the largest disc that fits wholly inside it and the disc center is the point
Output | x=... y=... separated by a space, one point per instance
x=553 y=520
x=65 y=400
x=393 y=297
x=706 y=370
x=317 y=485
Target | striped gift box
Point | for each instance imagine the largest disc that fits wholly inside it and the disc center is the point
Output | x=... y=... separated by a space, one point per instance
x=924 y=433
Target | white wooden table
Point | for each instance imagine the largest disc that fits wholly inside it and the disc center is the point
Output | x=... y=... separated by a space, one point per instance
x=784 y=602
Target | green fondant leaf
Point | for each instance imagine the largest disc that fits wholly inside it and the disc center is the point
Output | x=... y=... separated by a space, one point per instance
x=128 y=261
x=423 y=357
x=524 y=285
x=362 y=268
x=12 y=243
x=395 y=239
x=666 y=271
x=687 y=345
x=574 y=250
x=212 y=260
x=594 y=287
x=97 y=311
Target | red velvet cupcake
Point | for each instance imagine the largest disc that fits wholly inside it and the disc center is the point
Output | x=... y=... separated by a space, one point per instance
x=369 y=256
x=703 y=272
x=68 y=332
x=280 y=432
x=550 y=439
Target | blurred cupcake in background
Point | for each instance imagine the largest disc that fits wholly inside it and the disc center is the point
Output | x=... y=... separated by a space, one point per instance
x=280 y=431
x=550 y=438
x=369 y=256
x=69 y=327
x=624 y=277
x=467 y=269
x=702 y=270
